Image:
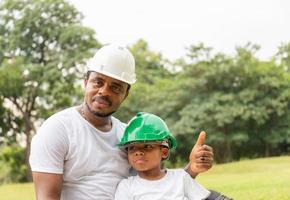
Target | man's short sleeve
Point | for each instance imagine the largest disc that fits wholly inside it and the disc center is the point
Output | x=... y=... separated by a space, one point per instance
x=49 y=147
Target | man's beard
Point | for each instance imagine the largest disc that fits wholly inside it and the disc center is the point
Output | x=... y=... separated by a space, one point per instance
x=98 y=114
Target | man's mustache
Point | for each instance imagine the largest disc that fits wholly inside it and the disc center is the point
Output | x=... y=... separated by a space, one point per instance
x=104 y=98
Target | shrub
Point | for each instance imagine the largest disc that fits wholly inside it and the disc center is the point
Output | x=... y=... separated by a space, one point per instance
x=12 y=164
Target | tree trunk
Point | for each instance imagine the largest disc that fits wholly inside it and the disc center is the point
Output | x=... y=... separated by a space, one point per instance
x=29 y=128
x=268 y=145
x=267 y=149
x=27 y=153
x=228 y=150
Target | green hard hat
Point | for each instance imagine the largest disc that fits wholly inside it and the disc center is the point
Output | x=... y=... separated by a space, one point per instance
x=146 y=127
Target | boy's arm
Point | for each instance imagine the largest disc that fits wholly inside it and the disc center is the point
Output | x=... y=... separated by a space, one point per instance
x=201 y=157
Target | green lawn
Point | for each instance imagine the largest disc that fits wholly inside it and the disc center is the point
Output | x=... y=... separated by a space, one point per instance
x=259 y=179
x=24 y=191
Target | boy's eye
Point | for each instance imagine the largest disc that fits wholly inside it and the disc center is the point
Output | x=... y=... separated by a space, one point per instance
x=131 y=148
x=144 y=148
x=148 y=147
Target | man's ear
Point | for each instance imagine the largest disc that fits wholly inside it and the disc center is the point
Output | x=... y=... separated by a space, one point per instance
x=85 y=82
x=127 y=92
x=165 y=152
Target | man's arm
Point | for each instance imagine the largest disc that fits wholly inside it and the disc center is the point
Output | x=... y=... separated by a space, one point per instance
x=47 y=186
x=201 y=157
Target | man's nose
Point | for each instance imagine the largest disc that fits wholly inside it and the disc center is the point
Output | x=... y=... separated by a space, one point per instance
x=104 y=90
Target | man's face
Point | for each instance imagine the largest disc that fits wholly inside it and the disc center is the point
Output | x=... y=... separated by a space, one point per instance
x=103 y=94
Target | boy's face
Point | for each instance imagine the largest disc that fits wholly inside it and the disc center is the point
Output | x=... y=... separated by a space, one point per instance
x=145 y=157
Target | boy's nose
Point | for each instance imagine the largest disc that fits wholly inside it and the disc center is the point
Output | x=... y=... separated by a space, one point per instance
x=139 y=152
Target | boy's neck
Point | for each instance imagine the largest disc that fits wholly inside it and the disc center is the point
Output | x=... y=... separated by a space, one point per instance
x=152 y=175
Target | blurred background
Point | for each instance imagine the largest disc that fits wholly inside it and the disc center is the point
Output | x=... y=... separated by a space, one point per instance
x=218 y=66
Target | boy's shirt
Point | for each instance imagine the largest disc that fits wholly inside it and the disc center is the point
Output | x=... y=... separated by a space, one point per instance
x=175 y=185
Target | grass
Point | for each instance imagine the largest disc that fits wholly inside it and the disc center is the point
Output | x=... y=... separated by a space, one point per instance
x=20 y=191
x=259 y=179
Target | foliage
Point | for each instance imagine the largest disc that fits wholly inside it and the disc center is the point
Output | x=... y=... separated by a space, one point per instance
x=43 y=47
x=12 y=160
x=150 y=70
x=283 y=56
x=242 y=102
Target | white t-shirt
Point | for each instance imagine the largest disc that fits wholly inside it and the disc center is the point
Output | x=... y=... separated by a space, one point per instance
x=89 y=159
x=175 y=185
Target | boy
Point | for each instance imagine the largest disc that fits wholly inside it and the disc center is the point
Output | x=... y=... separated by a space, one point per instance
x=147 y=141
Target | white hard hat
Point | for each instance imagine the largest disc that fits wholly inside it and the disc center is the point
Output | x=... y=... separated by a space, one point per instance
x=114 y=61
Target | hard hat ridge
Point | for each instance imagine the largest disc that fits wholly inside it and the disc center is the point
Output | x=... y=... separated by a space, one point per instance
x=147 y=127
x=114 y=61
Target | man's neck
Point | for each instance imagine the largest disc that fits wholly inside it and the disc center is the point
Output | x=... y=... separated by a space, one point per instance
x=101 y=123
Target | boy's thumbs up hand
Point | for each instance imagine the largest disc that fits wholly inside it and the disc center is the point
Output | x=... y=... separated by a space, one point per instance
x=201 y=156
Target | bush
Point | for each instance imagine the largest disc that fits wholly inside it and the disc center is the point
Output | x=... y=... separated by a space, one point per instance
x=12 y=164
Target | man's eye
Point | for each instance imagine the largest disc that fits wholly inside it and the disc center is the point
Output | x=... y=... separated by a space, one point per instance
x=97 y=82
x=116 y=89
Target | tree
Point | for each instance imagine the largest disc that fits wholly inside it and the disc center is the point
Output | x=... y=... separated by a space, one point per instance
x=150 y=70
x=240 y=101
x=283 y=56
x=43 y=46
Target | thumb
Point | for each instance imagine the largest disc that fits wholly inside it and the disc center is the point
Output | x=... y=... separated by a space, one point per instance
x=200 y=139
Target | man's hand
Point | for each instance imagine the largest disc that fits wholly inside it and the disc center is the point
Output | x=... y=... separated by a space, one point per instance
x=201 y=156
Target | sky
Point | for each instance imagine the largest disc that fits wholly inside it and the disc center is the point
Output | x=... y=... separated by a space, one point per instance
x=170 y=26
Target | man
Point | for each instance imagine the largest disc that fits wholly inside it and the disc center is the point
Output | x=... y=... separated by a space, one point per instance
x=74 y=154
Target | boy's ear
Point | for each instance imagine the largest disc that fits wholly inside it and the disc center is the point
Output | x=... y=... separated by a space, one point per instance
x=165 y=152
